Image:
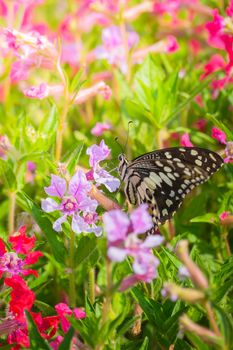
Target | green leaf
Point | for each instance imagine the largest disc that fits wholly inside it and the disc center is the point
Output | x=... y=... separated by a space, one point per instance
x=145 y=344
x=226 y=325
x=37 y=342
x=209 y=218
x=57 y=247
x=66 y=342
x=74 y=158
x=7 y=175
x=76 y=81
x=87 y=248
x=46 y=309
x=49 y=124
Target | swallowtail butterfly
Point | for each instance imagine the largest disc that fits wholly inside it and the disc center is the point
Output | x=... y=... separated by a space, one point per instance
x=163 y=178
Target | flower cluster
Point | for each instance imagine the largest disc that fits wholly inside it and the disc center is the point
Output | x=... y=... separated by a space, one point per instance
x=74 y=201
x=123 y=235
x=19 y=259
x=14 y=268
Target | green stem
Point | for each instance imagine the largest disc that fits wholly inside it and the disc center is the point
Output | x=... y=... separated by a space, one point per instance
x=72 y=291
x=91 y=286
x=60 y=131
x=227 y=245
x=11 y=214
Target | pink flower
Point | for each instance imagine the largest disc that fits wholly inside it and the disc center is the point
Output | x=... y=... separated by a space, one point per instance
x=215 y=63
x=123 y=241
x=172 y=44
x=74 y=202
x=113 y=49
x=100 y=128
x=98 y=88
x=224 y=215
x=39 y=92
x=219 y=135
x=63 y=310
x=97 y=173
x=185 y=140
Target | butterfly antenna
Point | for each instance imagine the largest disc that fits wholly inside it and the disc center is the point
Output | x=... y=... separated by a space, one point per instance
x=127 y=138
x=116 y=140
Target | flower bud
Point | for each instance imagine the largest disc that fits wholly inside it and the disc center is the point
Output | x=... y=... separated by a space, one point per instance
x=175 y=292
x=196 y=274
x=186 y=324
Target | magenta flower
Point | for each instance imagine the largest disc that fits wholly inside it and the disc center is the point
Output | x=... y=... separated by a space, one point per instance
x=221 y=137
x=123 y=241
x=113 y=49
x=63 y=311
x=185 y=140
x=100 y=128
x=101 y=176
x=74 y=202
x=224 y=215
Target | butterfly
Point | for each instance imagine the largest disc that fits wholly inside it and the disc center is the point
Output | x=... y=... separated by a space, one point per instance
x=163 y=178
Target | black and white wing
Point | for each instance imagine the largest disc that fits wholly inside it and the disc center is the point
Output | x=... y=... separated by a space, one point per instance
x=163 y=178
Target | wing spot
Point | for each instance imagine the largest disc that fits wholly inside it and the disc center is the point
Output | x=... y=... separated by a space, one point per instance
x=186 y=181
x=167 y=169
x=198 y=162
x=169 y=202
x=194 y=152
x=165 y=179
x=168 y=155
x=180 y=165
x=213 y=157
x=180 y=191
x=159 y=163
x=176 y=175
x=171 y=176
x=177 y=160
x=156 y=179
x=183 y=186
x=199 y=157
x=164 y=212
x=172 y=194
x=182 y=149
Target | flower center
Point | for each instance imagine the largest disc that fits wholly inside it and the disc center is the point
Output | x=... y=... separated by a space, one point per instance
x=69 y=205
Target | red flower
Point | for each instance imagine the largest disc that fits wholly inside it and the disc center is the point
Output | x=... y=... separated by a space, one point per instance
x=22 y=298
x=2 y=247
x=20 y=242
x=47 y=326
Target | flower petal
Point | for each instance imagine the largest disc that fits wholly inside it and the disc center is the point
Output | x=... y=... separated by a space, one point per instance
x=101 y=176
x=57 y=187
x=152 y=241
x=57 y=224
x=117 y=254
x=79 y=225
x=141 y=219
x=79 y=185
x=98 y=153
x=116 y=225
x=49 y=205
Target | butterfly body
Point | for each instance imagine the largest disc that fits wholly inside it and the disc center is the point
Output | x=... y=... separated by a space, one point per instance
x=164 y=177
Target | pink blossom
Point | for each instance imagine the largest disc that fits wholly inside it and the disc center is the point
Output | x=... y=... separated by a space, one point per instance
x=215 y=63
x=224 y=215
x=185 y=140
x=123 y=241
x=229 y=152
x=167 y=45
x=97 y=173
x=74 y=202
x=39 y=92
x=98 y=88
x=218 y=135
x=100 y=128
x=113 y=48
x=63 y=311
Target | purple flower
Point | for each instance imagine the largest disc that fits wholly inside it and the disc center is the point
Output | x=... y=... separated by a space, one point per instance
x=123 y=241
x=73 y=202
x=11 y=263
x=101 y=176
x=113 y=48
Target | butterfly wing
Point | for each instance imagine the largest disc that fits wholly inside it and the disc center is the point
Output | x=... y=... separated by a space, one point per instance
x=163 y=178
